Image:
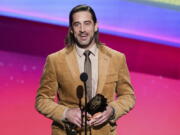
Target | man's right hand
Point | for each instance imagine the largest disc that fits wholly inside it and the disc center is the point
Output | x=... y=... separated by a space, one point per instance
x=73 y=115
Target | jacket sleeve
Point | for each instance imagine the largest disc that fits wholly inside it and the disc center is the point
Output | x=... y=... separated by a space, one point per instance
x=46 y=94
x=125 y=100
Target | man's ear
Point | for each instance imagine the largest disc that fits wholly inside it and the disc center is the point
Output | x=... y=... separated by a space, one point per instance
x=96 y=27
x=71 y=30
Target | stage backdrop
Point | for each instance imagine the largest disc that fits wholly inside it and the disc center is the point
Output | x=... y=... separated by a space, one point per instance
x=146 y=31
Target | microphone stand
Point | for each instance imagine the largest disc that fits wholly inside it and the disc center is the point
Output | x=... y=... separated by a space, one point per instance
x=85 y=109
x=80 y=95
x=81 y=114
x=84 y=78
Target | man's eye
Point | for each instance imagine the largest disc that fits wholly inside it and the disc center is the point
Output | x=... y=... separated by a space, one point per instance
x=76 y=24
x=87 y=23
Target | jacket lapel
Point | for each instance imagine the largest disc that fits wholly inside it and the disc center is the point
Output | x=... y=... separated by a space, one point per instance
x=104 y=59
x=72 y=63
x=103 y=66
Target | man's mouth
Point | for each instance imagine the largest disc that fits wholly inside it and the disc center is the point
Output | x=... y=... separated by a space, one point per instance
x=83 y=36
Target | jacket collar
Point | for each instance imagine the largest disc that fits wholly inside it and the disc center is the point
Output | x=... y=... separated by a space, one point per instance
x=103 y=65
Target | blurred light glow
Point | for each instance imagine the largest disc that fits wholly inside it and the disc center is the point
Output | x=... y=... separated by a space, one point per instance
x=172 y=2
x=128 y=18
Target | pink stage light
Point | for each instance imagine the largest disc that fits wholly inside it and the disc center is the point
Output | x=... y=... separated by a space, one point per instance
x=156 y=112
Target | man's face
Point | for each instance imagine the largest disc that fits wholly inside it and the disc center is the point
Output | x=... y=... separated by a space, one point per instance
x=83 y=29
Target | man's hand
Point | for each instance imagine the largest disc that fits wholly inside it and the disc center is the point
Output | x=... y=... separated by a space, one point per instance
x=74 y=116
x=100 y=118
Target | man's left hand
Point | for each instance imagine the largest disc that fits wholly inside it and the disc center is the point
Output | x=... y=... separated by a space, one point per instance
x=101 y=117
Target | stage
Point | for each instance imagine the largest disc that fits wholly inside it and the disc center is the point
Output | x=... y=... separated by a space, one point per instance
x=156 y=112
x=147 y=32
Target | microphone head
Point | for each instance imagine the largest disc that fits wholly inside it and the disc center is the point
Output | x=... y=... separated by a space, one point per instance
x=84 y=77
x=79 y=91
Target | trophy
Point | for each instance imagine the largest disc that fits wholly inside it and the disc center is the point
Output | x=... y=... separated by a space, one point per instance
x=96 y=105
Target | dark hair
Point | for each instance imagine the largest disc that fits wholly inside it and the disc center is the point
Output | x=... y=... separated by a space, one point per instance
x=69 y=40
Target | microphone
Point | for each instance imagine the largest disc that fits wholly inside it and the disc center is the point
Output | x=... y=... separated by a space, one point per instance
x=84 y=77
x=79 y=94
x=79 y=91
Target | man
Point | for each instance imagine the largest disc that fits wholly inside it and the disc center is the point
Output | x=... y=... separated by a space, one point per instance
x=107 y=71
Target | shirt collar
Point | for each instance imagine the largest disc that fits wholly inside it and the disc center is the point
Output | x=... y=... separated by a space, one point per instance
x=80 y=51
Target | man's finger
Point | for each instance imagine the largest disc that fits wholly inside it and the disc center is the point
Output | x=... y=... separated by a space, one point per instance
x=99 y=121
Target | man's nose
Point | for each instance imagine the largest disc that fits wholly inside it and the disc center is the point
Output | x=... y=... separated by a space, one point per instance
x=82 y=29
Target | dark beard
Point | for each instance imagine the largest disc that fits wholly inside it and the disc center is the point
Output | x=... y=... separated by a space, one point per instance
x=84 y=46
